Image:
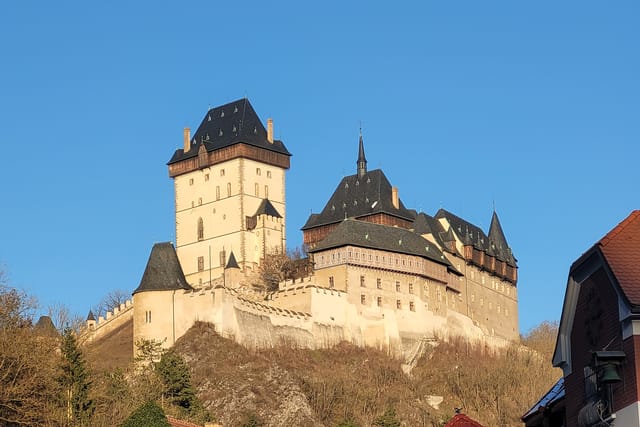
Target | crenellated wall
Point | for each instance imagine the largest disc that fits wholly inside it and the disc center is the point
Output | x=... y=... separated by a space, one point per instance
x=113 y=320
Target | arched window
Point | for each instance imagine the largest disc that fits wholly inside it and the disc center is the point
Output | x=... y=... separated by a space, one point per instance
x=228 y=189
x=200 y=229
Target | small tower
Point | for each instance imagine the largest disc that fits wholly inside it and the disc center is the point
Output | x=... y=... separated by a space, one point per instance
x=362 y=160
x=91 y=320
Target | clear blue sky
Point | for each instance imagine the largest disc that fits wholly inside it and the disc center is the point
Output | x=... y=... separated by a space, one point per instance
x=533 y=105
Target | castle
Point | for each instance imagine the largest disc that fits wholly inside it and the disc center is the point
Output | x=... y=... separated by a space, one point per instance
x=381 y=274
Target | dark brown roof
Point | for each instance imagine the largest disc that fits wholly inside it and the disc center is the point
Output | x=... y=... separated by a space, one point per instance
x=226 y=125
x=621 y=249
x=163 y=271
x=383 y=237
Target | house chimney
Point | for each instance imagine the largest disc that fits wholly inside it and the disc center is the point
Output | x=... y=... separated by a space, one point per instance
x=270 y=131
x=394 y=197
x=187 y=139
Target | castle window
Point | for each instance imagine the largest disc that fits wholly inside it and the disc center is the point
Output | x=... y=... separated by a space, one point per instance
x=199 y=201
x=331 y=283
x=200 y=263
x=228 y=189
x=379 y=283
x=481 y=302
x=147 y=316
x=223 y=258
x=410 y=288
x=200 y=229
x=397 y=286
x=363 y=299
x=398 y=304
x=379 y=301
x=217 y=192
x=221 y=172
x=473 y=297
x=258 y=171
x=190 y=181
x=206 y=177
x=257 y=190
x=362 y=281
x=412 y=306
x=266 y=191
x=268 y=174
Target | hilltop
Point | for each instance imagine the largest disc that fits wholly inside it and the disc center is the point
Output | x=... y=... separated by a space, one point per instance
x=287 y=386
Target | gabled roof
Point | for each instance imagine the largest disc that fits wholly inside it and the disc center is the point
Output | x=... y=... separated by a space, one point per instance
x=461 y=420
x=163 y=271
x=470 y=234
x=232 y=263
x=464 y=229
x=621 y=249
x=357 y=197
x=426 y=224
x=383 y=237
x=226 y=125
x=266 y=208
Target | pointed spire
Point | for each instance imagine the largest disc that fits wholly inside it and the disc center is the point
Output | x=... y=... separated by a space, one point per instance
x=362 y=160
x=232 y=263
x=90 y=316
x=496 y=236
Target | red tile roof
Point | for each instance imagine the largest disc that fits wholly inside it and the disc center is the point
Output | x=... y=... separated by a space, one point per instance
x=621 y=249
x=461 y=420
x=180 y=423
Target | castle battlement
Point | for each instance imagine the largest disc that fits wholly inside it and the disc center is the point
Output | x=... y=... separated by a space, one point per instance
x=112 y=320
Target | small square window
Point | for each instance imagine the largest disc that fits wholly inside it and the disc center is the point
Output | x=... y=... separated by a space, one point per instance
x=200 y=263
x=268 y=174
x=398 y=304
x=363 y=299
x=362 y=281
x=412 y=306
x=258 y=171
x=410 y=288
x=379 y=283
x=397 y=286
x=379 y=301
x=221 y=172
x=206 y=177
x=190 y=181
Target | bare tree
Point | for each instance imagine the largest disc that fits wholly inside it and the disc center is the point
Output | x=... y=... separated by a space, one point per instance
x=110 y=301
x=62 y=318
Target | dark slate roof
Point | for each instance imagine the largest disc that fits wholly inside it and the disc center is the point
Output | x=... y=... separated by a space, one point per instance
x=495 y=244
x=266 y=208
x=90 y=316
x=232 y=263
x=498 y=243
x=163 y=271
x=426 y=224
x=227 y=125
x=356 y=197
x=553 y=396
x=383 y=237
x=45 y=326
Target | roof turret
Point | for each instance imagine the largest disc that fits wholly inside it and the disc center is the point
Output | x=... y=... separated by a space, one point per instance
x=163 y=271
x=362 y=160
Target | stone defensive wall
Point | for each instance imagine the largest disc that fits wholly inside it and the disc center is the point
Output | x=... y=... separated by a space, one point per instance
x=113 y=320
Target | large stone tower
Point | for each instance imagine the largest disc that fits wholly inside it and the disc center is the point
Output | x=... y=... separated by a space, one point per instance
x=229 y=181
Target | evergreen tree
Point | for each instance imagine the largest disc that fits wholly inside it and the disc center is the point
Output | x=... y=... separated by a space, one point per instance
x=148 y=415
x=75 y=381
x=176 y=376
